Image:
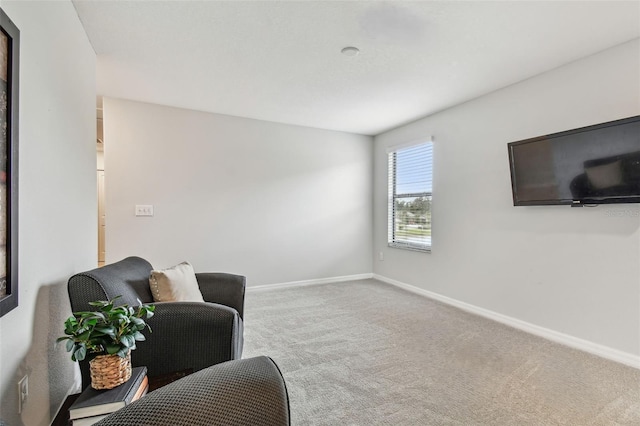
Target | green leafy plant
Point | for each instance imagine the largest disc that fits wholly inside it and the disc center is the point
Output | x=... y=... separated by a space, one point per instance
x=108 y=330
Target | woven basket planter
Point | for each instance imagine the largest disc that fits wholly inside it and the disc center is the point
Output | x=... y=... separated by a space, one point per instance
x=109 y=371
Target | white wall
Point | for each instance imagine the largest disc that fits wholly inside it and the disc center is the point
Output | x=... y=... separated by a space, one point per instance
x=274 y=202
x=57 y=219
x=576 y=271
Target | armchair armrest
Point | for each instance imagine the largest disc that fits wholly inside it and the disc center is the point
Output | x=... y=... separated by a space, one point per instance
x=225 y=289
x=189 y=335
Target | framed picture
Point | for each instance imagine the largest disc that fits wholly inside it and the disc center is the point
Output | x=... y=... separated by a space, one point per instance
x=9 y=58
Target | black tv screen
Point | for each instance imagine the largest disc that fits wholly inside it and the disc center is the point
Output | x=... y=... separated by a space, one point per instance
x=597 y=164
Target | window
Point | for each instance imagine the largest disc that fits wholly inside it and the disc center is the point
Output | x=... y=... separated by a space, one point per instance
x=410 y=176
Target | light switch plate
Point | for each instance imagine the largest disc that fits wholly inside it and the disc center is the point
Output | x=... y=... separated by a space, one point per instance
x=144 y=210
x=23 y=392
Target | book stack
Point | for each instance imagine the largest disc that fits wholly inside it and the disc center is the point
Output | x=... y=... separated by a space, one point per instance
x=93 y=405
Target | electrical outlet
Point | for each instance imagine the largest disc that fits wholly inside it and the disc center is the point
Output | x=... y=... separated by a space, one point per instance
x=23 y=392
x=381 y=256
x=144 y=210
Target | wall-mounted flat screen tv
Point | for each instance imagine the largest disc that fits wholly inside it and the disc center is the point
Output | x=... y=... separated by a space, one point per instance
x=598 y=164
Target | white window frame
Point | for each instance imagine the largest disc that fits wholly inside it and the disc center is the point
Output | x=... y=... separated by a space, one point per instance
x=393 y=240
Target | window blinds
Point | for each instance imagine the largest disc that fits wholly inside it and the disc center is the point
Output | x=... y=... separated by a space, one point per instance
x=410 y=189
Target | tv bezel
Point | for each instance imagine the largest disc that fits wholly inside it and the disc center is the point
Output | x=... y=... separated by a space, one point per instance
x=572 y=202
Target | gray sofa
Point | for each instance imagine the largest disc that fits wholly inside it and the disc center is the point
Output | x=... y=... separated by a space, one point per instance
x=186 y=336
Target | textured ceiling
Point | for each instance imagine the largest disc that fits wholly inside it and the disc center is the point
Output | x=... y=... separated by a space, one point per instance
x=280 y=61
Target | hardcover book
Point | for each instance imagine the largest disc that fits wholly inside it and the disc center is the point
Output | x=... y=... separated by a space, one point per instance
x=94 y=402
x=88 y=421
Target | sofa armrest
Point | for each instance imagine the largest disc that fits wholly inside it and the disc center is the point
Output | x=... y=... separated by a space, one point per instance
x=225 y=289
x=189 y=335
x=245 y=392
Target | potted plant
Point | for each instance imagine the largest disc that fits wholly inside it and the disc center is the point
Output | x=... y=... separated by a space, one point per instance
x=106 y=338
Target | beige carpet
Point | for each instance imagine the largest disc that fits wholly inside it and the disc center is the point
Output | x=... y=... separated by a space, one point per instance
x=367 y=353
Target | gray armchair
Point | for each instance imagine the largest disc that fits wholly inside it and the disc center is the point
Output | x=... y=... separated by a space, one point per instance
x=185 y=335
x=247 y=392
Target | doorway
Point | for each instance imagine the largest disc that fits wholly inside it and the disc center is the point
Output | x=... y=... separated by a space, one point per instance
x=101 y=218
x=100 y=180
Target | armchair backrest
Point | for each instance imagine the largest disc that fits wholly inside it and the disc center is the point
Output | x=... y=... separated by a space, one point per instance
x=128 y=278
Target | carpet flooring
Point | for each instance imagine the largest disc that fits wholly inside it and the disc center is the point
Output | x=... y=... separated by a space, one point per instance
x=367 y=353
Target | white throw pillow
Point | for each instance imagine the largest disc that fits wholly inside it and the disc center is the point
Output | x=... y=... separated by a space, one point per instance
x=175 y=284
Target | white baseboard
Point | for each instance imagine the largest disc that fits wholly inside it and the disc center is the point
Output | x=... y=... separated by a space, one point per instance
x=310 y=282
x=555 y=336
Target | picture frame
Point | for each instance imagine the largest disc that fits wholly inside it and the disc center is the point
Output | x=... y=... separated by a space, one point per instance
x=9 y=91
